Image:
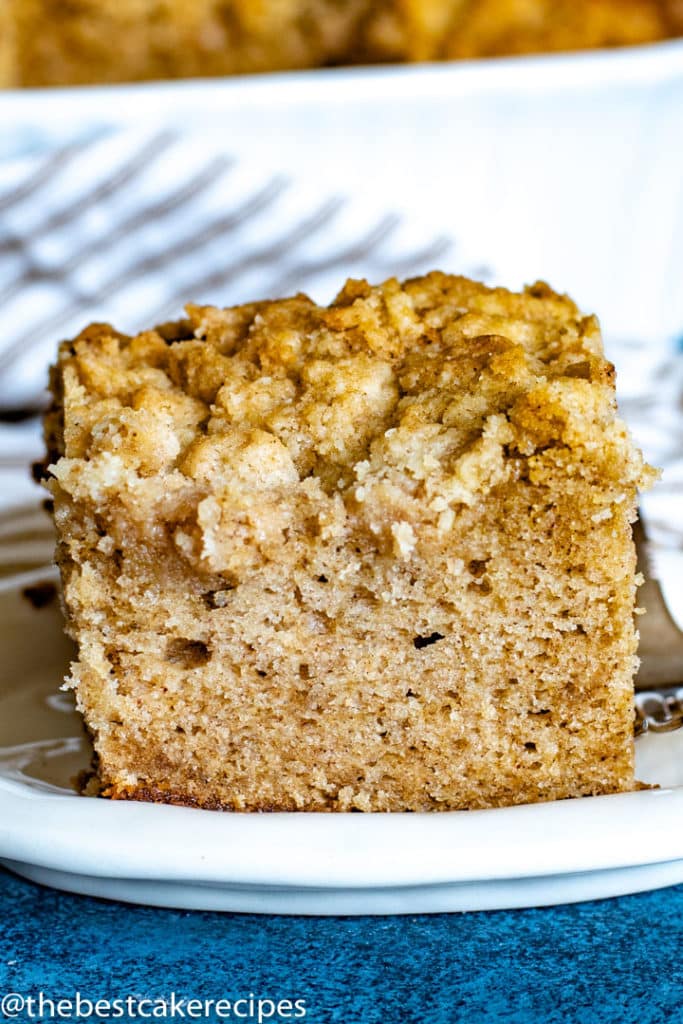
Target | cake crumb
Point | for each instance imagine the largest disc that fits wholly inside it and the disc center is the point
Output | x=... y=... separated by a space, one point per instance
x=372 y=556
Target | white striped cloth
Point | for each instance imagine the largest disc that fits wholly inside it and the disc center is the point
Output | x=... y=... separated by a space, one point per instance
x=126 y=225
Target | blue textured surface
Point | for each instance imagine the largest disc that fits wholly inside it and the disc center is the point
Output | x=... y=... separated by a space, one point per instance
x=609 y=962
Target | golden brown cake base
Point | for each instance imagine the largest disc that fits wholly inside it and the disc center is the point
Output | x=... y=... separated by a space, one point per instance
x=375 y=556
x=49 y=42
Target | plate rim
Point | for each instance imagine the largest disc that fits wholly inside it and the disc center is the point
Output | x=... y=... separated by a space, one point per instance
x=65 y=831
x=92 y=836
x=647 y=62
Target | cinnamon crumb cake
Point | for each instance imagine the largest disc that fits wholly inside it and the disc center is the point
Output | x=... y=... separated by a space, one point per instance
x=49 y=42
x=373 y=556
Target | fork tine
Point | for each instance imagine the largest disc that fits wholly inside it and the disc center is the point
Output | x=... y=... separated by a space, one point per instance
x=135 y=222
x=258 y=257
x=73 y=210
x=55 y=162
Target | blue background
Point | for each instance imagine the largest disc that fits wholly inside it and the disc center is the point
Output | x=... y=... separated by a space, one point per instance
x=616 y=961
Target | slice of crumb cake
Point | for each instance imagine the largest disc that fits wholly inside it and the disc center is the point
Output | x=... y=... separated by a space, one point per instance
x=371 y=556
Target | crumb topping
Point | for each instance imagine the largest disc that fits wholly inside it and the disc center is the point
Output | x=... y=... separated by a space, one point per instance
x=385 y=412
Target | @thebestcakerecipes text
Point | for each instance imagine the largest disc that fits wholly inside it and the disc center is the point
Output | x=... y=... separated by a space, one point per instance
x=45 y=1007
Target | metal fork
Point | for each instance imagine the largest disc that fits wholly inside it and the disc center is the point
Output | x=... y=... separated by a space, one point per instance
x=659 y=682
x=659 y=711
x=661 y=641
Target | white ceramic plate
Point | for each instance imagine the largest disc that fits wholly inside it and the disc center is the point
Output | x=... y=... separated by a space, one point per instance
x=300 y=863
x=562 y=167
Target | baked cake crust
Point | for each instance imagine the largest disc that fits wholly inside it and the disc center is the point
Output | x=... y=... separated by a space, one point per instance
x=371 y=556
x=48 y=42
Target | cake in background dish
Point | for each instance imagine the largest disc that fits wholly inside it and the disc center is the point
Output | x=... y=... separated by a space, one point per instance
x=373 y=556
x=51 y=42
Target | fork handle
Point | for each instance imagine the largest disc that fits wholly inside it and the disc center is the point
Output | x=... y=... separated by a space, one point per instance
x=661 y=641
